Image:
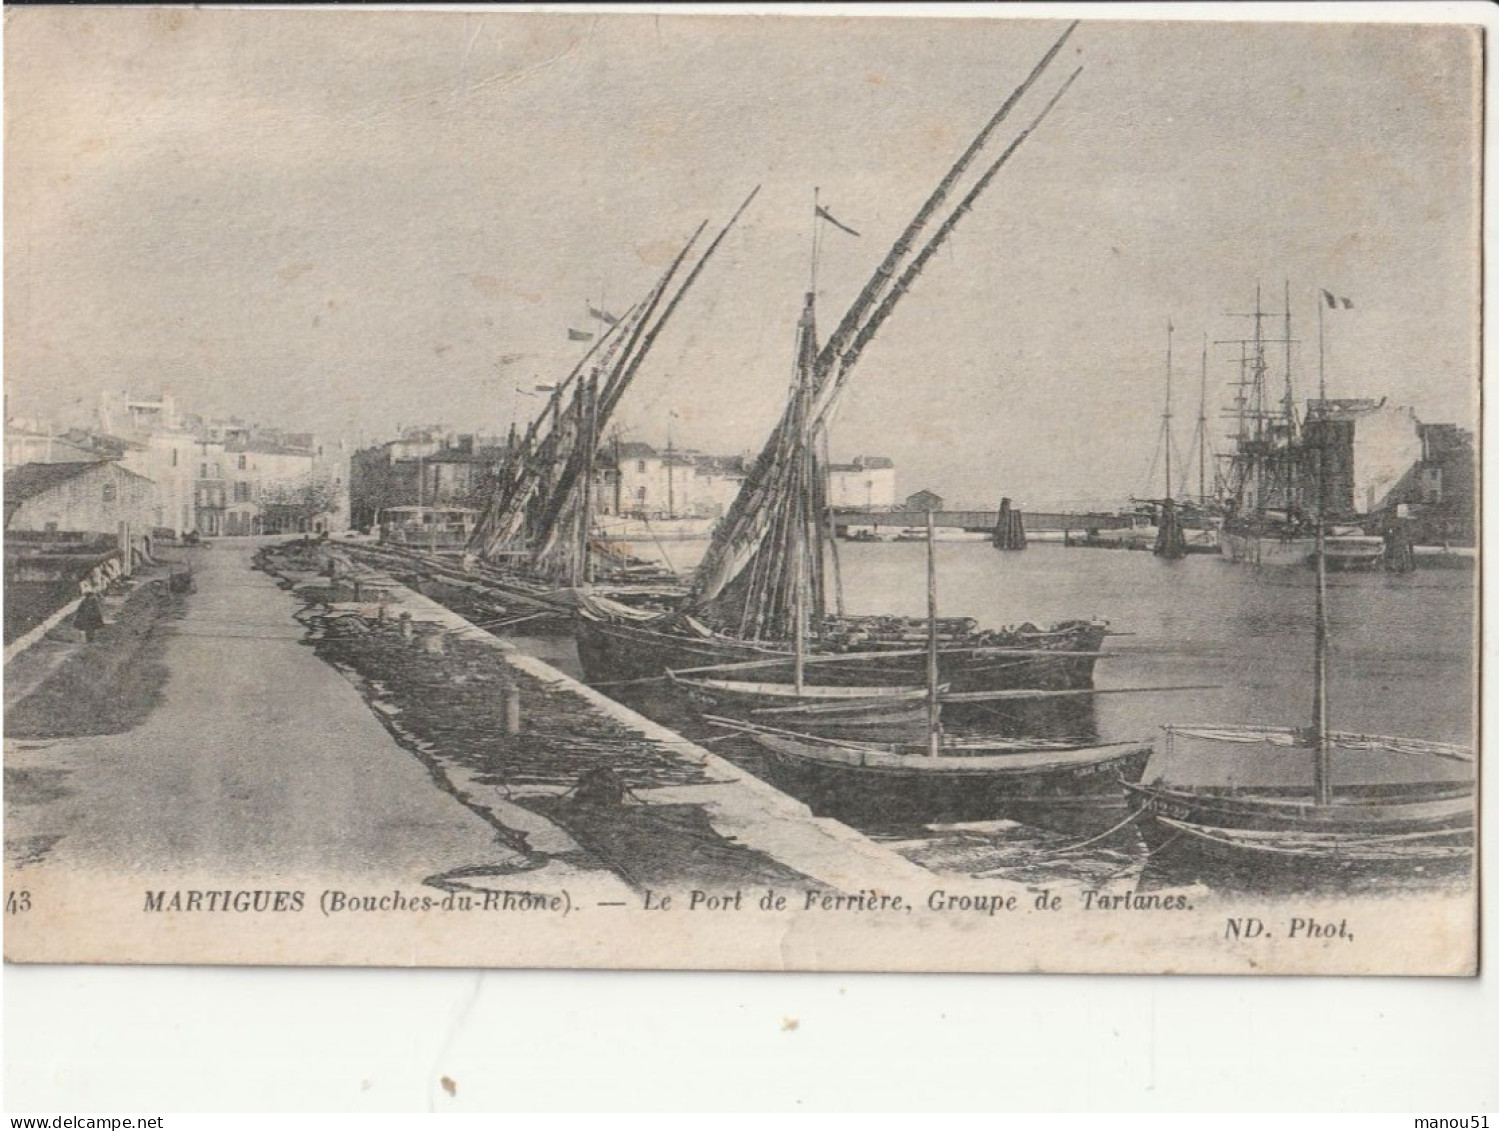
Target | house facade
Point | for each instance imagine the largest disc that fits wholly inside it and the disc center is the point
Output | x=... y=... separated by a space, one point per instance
x=864 y=483
x=98 y=498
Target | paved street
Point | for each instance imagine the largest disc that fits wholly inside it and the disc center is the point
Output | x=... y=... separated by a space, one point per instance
x=260 y=760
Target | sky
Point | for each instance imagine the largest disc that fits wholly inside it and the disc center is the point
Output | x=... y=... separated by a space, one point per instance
x=350 y=221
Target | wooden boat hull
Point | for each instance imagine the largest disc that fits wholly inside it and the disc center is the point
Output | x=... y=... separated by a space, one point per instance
x=612 y=651
x=1280 y=838
x=882 y=714
x=1278 y=861
x=1392 y=809
x=903 y=790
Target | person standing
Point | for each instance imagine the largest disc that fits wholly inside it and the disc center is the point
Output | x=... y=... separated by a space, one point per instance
x=89 y=618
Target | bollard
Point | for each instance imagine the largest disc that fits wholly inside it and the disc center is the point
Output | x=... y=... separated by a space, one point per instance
x=357 y=590
x=512 y=708
x=380 y=613
x=405 y=626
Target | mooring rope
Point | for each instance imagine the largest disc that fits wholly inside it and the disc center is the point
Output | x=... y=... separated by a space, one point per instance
x=1104 y=835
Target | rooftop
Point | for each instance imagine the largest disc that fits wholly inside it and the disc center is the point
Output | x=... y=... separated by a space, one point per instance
x=33 y=479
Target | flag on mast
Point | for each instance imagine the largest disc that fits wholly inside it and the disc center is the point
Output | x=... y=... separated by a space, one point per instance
x=1334 y=301
x=602 y=315
x=578 y=335
x=831 y=219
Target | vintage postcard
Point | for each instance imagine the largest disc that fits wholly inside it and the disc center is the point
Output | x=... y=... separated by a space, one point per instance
x=706 y=491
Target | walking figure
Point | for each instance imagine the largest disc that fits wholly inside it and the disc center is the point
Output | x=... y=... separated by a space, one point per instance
x=89 y=618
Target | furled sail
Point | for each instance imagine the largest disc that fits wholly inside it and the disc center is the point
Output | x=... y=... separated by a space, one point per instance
x=733 y=575
x=548 y=509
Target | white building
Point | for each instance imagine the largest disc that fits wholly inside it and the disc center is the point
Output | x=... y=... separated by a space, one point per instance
x=865 y=483
x=635 y=478
x=1375 y=452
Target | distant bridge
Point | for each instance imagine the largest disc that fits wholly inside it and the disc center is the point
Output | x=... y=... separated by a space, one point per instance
x=977 y=520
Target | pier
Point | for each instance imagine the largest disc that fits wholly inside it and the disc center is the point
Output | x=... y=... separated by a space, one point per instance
x=981 y=520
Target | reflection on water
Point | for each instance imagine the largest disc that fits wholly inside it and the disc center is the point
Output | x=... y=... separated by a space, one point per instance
x=1402 y=662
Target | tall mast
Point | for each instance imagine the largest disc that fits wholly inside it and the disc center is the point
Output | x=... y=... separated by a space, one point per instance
x=1290 y=398
x=1166 y=416
x=1202 y=427
x=1321 y=363
x=933 y=718
x=830 y=538
x=816 y=203
x=671 y=495
x=801 y=532
x=1260 y=430
x=1322 y=762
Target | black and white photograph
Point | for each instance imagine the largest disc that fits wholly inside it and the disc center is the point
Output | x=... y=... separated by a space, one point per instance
x=705 y=491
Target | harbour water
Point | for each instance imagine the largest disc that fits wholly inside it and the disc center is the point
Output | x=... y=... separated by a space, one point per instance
x=1402 y=662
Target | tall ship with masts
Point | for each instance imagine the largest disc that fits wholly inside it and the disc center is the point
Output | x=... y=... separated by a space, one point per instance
x=1269 y=469
x=1265 y=522
x=776 y=537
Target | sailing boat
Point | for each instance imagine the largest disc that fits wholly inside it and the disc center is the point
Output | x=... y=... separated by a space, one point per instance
x=828 y=711
x=943 y=779
x=740 y=606
x=1381 y=826
x=538 y=525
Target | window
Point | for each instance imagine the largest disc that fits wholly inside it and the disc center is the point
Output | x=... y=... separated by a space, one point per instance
x=174 y=457
x=640 y=494
x=640 y=465
x=241 y=463
x=203 y=471
x=242 y=491
x=111 y=492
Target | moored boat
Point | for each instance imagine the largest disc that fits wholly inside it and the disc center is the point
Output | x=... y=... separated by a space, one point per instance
x=895 y=783
x=613 y=647
x=1298 y=831
x=900 y=784
x=772 y=547
x=825 y=711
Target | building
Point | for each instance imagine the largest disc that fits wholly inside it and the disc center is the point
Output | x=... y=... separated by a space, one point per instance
x=210 y=488
x=425 y=467
x=98 y=498
x=865 y=483
x=32 y=442
x=924 y=501
x=633 y=478
x=637 y=479
x=1446 y=497
x=1372 y=450
x=263 y=481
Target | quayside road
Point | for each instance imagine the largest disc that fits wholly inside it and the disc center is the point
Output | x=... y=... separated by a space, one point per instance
x=259 y=760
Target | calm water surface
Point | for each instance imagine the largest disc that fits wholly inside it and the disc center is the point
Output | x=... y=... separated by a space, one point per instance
x=1402 y=662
